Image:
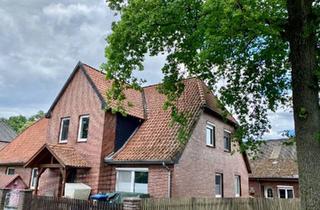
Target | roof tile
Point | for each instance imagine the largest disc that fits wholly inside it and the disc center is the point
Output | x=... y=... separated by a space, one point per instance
x=26 y=144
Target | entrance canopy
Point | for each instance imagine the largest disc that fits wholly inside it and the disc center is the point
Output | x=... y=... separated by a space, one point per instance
x=57 y=156
x=62 y=157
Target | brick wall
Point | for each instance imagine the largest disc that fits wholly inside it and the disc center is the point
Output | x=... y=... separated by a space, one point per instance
x=158 y=181
x=194 y=175
x=256 y=187
x=79 y=99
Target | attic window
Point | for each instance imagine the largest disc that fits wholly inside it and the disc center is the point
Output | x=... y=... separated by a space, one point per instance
x=10 y=171
x=64 y=130
x=210 y=135
x=227 y=140
x=83 y=128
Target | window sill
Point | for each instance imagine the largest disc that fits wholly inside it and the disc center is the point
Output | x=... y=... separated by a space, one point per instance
x=228 y=151
x=63 y=142
x=211 y=146
x=82 y=140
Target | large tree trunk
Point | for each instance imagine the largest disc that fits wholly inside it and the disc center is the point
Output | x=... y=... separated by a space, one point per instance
x=305 y=88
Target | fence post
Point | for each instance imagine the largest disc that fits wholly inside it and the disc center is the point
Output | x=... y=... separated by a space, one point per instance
x=132 y=203
x=25 y=200
x=3 y=193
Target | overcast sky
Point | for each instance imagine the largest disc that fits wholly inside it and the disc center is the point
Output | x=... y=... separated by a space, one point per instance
x=41 y=42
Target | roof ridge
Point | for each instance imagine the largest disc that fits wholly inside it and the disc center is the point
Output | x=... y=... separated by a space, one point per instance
x=93 y=68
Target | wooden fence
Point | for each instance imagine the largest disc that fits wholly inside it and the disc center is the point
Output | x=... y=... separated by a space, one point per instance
x=220 y=204
x=50 y=203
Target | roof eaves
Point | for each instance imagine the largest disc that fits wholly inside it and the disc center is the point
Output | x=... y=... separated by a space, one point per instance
x=138 y=162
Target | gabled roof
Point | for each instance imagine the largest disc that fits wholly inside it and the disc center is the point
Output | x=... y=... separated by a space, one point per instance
x=6 y=132
x=25 y=145
x=155 y=139
x=66 y=156
x=275 y=160
x=100 y=85
x=6 y=180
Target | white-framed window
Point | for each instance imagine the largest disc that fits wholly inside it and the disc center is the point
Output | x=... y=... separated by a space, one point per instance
x=83 y=128
x=237 y=185
x=227 y=140
x=210 y=134
x=268 y=192
x=219 y=185
x=64 y=130
x=132 y=180
x=285 y=192
x=34 y=176
x=11 y=171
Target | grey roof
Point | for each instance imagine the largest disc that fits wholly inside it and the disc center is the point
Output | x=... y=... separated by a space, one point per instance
x=275 y=160
x=276 y=149
x=6 y=133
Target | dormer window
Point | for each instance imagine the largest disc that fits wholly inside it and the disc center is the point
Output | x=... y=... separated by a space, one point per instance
x=64 y=130
x=210 y=135
x=83 y=128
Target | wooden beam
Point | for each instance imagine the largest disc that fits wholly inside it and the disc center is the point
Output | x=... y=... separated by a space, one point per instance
x=64 y=178
x=50 y=166
x=40 y=172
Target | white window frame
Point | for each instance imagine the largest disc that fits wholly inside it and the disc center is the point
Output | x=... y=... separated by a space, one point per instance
x=61 y=128
x=80 y=128
x=132 y=170
x=236 y=178
x=266 y=192
x=33 y=177
x=229 y=149
x=221 y=185
x=286 y=188
x=11 y=168
x=213 y=127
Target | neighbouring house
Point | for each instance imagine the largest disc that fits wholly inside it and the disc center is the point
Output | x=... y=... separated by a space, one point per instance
x=86 y=143
x=275 y=171
x=15 y=155
x=12 y=182
x=6 y=134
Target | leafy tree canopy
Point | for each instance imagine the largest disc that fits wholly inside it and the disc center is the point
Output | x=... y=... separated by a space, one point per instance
x=242 y=43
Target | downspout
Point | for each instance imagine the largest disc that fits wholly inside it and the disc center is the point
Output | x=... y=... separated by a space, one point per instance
x=169 y=178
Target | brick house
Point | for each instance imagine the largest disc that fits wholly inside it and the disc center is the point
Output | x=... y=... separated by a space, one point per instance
x=86 y=143
x=275 y=171
x=6 y=134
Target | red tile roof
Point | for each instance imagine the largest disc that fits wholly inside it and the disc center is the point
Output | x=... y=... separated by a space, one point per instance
x=26 y=144
x=66 y=155
x=156 y=140
x=133 y=96
x=69 y=156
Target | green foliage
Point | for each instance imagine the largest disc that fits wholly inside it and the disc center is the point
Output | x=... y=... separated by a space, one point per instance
x=20 y=123
x=16 y=122
x=243 y=43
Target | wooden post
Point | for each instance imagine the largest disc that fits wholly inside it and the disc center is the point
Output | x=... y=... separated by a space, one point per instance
x=41 y=170
x=64 y=177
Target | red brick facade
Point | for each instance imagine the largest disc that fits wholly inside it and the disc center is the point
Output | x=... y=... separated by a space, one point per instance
x=79 y=98
x=194 y=175
x=258 y=186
